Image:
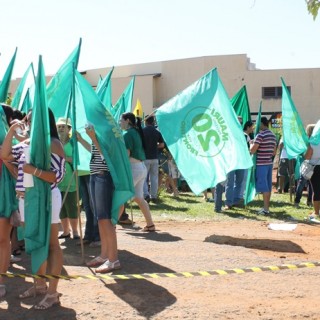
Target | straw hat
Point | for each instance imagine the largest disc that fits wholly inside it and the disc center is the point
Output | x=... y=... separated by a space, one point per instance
x=62 y=121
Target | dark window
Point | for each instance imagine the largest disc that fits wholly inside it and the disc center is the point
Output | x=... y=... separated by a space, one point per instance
x=273 y=92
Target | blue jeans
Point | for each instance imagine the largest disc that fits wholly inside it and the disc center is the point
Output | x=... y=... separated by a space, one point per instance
x=101 y=189
x=91 y=232
x=234 y=186
x=301 y=184
x=152 y=166
x=218 y=197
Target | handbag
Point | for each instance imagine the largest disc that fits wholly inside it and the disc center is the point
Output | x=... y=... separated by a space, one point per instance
x=306 y=169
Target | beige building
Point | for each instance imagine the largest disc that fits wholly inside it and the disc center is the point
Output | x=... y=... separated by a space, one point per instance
x=157 y=82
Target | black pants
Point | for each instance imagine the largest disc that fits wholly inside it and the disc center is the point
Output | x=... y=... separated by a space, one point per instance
x=315 y=182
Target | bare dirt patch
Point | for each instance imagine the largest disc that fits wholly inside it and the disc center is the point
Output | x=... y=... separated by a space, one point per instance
x=187 y=246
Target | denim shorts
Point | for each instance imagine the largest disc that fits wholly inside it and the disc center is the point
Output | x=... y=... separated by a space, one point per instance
x=101 y=190
x=264 y=178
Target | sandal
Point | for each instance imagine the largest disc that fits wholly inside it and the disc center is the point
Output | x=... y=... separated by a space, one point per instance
x=108 y=266
x=97 y=261
x=149 y=228
x=48 y=301
x=34 y=291
x=3 y=290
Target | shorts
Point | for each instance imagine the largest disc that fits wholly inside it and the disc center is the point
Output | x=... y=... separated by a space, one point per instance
x=173 y=170
x=56 y=202
x=101 y=190
x=69 y=208
x=264 y=178
x=283 y=170
x=139 y=175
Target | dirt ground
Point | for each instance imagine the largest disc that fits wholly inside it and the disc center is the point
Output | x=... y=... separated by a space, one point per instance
x=187 y=246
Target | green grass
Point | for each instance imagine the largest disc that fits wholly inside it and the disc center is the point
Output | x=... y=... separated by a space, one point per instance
x=191 y=207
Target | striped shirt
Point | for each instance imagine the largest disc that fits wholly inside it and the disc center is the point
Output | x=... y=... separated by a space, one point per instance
x=267 y=143
x=57 y=166
x=97 y=162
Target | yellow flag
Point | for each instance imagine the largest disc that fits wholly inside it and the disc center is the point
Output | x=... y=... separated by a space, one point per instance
x=138 y=109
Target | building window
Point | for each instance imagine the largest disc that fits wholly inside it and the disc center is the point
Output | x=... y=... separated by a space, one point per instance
x=273 y=92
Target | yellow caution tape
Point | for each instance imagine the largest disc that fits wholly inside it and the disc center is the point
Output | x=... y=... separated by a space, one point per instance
x=145 y=276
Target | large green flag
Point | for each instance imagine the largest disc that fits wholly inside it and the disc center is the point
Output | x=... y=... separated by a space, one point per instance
x=240 y=105
x=5 y=83
x=27 y=102
x=8 y=199
x=38 y=198
x=111 y=141
x=59 y=87
x=315 y=137
x=124 y=103
x=295 y=138
x=203 y=133
x=22 y=89
x=251 y=177
x=59 y=100
x=103 y=90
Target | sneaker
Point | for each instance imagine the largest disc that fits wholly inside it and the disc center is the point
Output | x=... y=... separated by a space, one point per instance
x=14 y=259
x=309 y=203
x=263 y=212
x=147 y=198
x=296 y=205
x=95 y=244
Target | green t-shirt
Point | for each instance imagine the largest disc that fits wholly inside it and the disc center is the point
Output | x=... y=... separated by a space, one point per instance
x=133 y=143
x=63 y=185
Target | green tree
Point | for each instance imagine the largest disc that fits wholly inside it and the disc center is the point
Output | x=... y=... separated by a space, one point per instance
x=313 y=7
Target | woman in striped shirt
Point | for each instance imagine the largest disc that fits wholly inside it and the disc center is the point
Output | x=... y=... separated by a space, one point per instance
x=53 y=176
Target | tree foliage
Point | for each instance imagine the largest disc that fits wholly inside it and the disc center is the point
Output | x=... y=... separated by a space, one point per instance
x=313 y=7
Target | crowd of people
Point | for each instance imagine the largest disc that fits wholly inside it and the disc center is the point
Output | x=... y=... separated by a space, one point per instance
x=150 y=162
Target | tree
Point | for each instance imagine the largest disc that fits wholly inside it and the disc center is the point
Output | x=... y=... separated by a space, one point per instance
x=313 y=7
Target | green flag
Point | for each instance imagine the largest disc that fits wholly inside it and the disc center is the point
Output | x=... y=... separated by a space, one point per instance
x=240 y=105
x=104 y=90
x=315 y=137
x=5 y=83
x=60 y=101
x=203 y=133
x=59 y=88
x=111 y=142
x=124 y=103
x=27 y=102
x=295 y=138
x=251 y=177
x=22 y=90
x=38 y=198
x=8 y=199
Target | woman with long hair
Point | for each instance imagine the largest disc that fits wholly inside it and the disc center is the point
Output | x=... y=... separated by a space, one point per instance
x=134 y=140
x=11 y=153
x=7 y=116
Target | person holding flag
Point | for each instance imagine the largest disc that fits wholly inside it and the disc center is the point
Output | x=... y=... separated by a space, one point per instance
x=134 y=140
x=52 y=176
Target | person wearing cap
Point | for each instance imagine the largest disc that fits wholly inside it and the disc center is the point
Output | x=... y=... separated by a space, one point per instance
x=68 y=187
x=264 y=145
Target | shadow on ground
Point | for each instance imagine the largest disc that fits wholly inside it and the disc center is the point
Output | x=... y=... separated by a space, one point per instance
x=259 y=244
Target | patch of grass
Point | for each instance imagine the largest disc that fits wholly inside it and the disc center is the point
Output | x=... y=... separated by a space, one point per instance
x=191 y=207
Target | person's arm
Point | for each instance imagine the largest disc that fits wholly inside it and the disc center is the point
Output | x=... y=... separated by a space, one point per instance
x=308 y=153
x=254 y=147
x=84 y=143
x=6 y=148
x=92 y=135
